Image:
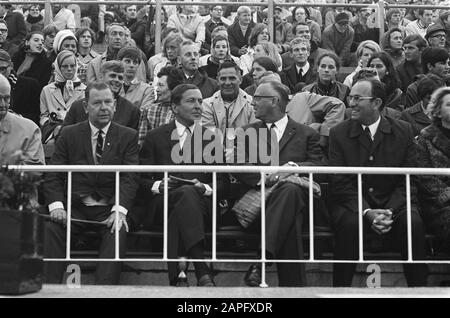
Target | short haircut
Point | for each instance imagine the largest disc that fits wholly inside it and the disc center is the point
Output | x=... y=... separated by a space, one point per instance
x=129 y=52
x=80 y=32
x=243 y=9
x=257 y=30
x=108 y=28
x=50 y=29
x=333 y=56
x=31 y=33
x=391 y=12
x=435 y=105
x=368 y=44
x=299 y=40
x=229 y=64
x=421 y=42
x=378 y=90
x=294 y=12
x=364 y=73
x=386 y=42
x=428 y=84
x=218 y=29
x=112 y=66
x=266 y=62
x=186 y=43
x=270 y=77
x=177 y=93
x=283 y=94
x=174 y=76
x=97 y=85
x=433 y=55
x=294 y=31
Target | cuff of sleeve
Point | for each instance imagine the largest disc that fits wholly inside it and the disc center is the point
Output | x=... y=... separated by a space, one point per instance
x=120 y=209
x=208 y=191
x=55 y=205
x=155 y=187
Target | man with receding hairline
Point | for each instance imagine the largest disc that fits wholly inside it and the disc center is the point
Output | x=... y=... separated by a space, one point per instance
x=287 y=206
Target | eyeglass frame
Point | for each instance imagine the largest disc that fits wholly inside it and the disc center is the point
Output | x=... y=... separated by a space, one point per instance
x=357 y=98
x=440 y=36
x=259 y=97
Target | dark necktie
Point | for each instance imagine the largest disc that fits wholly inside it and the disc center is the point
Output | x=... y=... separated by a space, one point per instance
x=368 y=135
x=99 y=147
x=300 y=75
x=272 y=135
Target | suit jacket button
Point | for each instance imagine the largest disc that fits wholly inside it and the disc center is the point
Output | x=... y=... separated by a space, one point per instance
x=371 y=158
x=370 y=190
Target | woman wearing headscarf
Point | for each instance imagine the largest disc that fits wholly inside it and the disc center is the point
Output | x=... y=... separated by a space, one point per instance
x=220 y=52
x=58 y=96
x=30 y=60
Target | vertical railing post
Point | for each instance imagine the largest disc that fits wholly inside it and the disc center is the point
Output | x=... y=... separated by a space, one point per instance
x=158 y=28
x=263 y=230
x=48 y=14
x=166 y=213
x=117 y=202
x=381 y=16
x=311 y=219
x=69 y=213
x=360 y=218
x=408 y=216
x=270 y=20
x=214 y=219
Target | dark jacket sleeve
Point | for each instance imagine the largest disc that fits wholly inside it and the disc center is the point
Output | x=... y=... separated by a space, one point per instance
x=147 y=156
x=71 y=117
x=233 y=42
x=128 y=181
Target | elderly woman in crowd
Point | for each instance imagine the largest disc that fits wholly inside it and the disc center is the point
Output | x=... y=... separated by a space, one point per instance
x=85 y=38
x=58 y=96
x=363 y=53
x=393 y=45
x=434 y=152
x=384 y=65
x=31 y=61
x=220 y=52
x=259 y=34
x=326 y=85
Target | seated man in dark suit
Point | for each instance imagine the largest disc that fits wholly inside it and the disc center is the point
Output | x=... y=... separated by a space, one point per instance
x=287 y=206
x=126 y=114
x=97 y=141
x=190 y=205
x=301 y=73
x=371 y=140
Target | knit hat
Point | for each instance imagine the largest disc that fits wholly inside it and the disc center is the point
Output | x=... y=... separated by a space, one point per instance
x=433 y=29
x=129 y=52
x=60 y=37
x=4 y=56
x=341 y=16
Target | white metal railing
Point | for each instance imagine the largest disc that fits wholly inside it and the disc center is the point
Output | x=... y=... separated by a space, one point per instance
x=381 y=5
x=310 y=170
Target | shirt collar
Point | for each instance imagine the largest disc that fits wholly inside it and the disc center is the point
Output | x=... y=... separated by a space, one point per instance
x=305 y=68
x=280 y=124
x=5 y=123
x=182 y=128
x=94 y=130
x=374 y=127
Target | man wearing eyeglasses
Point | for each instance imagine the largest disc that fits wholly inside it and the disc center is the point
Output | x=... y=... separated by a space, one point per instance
x=436 y=35
x=126 y=113
x=4 y=43
x=15 y=24
x=371 y=140
x=96 y=141
x=338 y=37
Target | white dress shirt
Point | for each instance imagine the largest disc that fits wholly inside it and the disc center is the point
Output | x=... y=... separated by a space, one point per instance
x=280 y=126
x=305 y=68
x=373 y=128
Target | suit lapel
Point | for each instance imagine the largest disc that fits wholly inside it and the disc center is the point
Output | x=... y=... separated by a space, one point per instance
x=238 y=106
x=356 y=131
x=59 y=97
x=87 y=142
x=289 y=132
x=383 y=128
x=292 y=75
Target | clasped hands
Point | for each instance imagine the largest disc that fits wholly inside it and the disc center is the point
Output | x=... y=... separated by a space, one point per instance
x=60 y=216
x=174 y=183
x=273 y=178
x=380 y=219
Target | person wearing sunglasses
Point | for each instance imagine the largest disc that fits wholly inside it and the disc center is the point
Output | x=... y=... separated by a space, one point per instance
x=338 y=37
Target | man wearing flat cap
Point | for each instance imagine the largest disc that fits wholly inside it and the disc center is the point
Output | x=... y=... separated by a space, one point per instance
x=436 y=35
x=338 y=37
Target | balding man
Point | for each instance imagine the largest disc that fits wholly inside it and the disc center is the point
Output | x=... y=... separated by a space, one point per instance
x=239 y=31
x=298 y=145
x=20 y=138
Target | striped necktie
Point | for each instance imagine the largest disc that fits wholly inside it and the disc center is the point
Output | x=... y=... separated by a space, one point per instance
x=99 y=147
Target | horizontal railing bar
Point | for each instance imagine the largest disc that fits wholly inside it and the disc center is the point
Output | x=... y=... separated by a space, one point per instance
x=235 y=169
x=169 y=3
x=218 y=260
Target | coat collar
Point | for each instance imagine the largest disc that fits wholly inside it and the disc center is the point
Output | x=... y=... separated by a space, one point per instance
x=434 y=134
x=356 y=131
x=289 y=132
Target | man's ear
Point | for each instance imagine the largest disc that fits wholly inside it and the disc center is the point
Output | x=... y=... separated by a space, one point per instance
x=378 y=103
